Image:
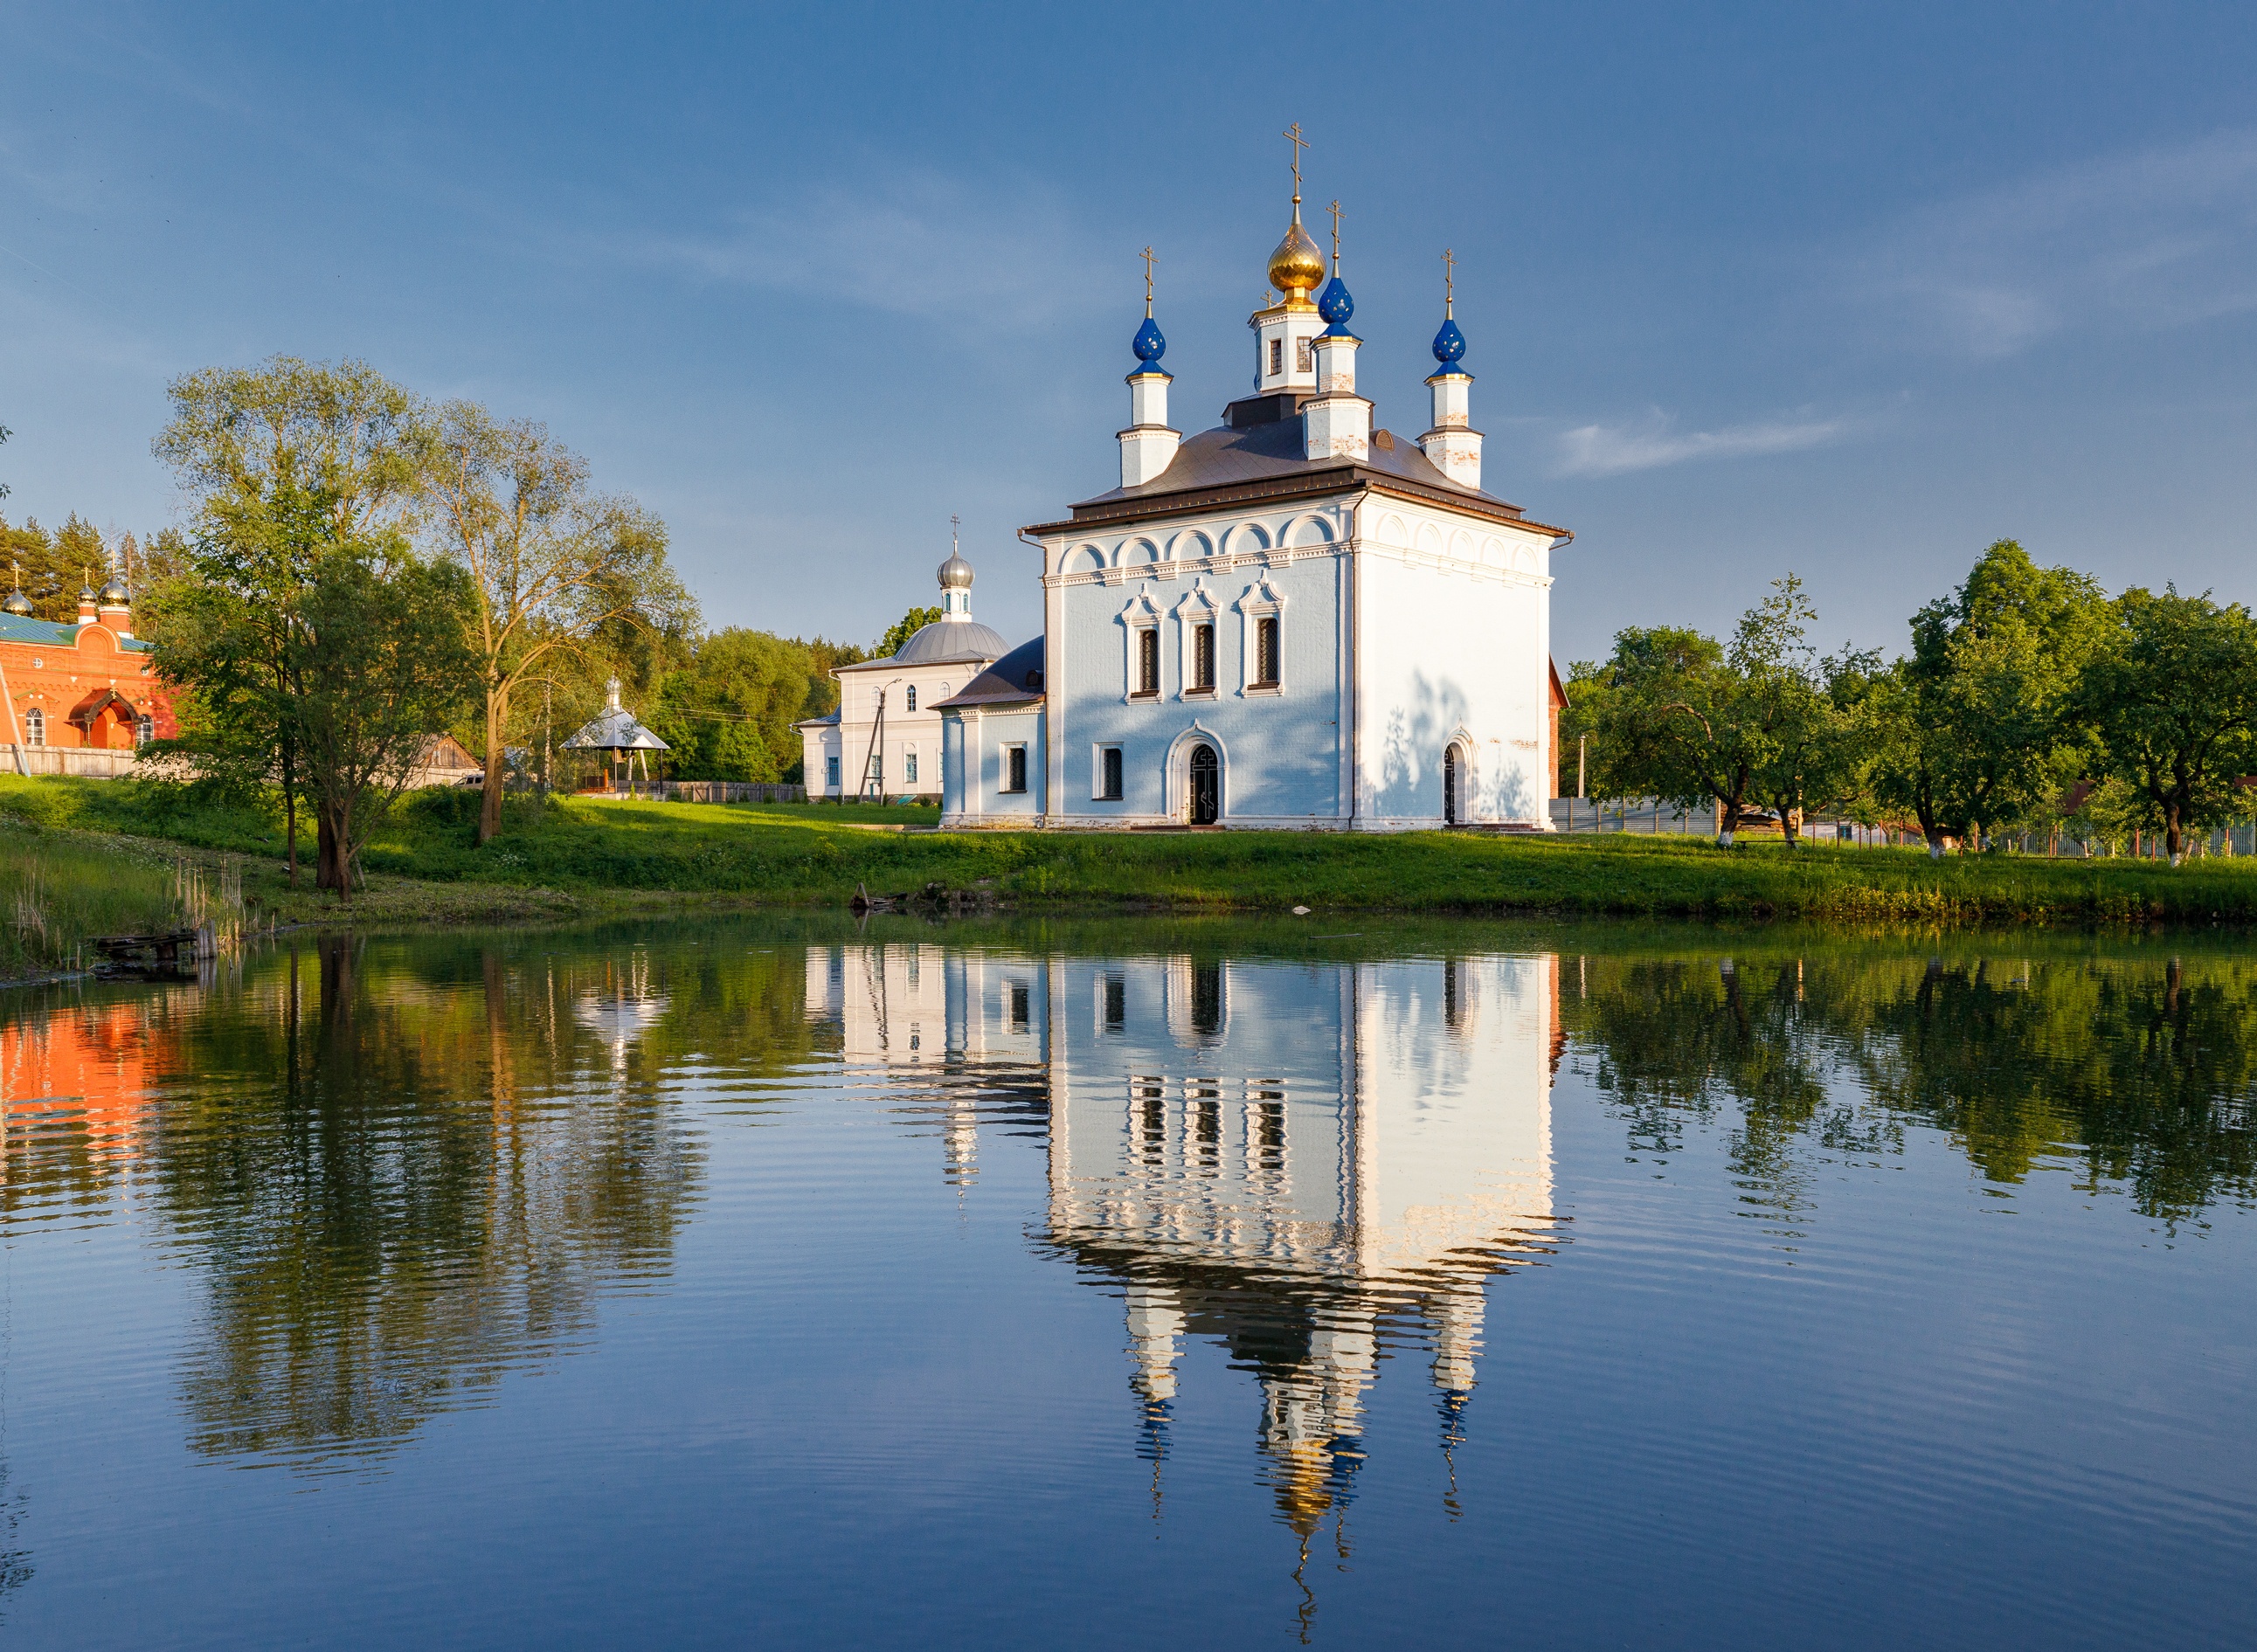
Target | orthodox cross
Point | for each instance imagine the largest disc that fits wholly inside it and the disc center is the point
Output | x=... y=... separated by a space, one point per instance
x=1148 y=262
x=1292 y=134
x=1336 y=218
x=1449 y=282
x=953 y=521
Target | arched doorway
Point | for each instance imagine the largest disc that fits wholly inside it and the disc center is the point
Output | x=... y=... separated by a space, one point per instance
x=1454 y=810
x=1207 y=785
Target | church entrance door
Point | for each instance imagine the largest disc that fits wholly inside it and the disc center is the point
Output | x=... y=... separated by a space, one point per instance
x=1453 y=814
x=1207 y=785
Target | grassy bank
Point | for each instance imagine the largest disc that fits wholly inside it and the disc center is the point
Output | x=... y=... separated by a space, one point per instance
x=577 y=851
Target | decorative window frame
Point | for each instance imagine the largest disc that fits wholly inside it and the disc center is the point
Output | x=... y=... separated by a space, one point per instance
x=1261 y=600
x=908 y=699
x=35 y=727
x=1097 y=792
x=1138 y=615
x=1003 y=752
x=1197 y=608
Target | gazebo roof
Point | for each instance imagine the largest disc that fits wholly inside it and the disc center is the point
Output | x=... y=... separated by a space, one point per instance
x=615 y=731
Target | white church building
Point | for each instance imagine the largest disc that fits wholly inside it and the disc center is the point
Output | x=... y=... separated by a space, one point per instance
x=1293 y=619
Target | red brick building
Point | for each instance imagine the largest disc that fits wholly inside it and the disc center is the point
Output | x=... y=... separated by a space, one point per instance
x=88 y=687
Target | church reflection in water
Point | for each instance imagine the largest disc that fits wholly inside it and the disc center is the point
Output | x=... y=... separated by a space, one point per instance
x=1314 y=1165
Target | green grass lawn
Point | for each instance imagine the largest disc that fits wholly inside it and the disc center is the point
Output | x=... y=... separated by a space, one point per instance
x=807 y=854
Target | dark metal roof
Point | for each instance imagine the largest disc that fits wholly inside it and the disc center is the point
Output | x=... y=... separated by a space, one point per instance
x=1016 y=679
x=1258 y=448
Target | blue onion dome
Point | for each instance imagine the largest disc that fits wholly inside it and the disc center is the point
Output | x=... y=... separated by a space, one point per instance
x=18 y=604
x=1449 y=349
x=1149 y=346
x=1334 y=304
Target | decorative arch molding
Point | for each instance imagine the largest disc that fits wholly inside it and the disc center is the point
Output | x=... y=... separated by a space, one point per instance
x=1245 y=538
x=1192 y=545
x=1085 y=559
x=1176 y=775
x=1139 y=553
x=1461 y=742
x=1392 y=531
x=1307 y=530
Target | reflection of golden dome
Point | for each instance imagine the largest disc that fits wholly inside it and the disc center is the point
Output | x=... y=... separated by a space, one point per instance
x=1297 y=266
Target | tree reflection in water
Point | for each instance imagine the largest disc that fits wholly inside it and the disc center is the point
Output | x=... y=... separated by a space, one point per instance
x=401 y=1188
x=2138 y=1071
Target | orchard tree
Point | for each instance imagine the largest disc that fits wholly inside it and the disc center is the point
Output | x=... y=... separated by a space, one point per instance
x=2172 y=695
x=907 y=626
x=1979 y=726
x=553 y=566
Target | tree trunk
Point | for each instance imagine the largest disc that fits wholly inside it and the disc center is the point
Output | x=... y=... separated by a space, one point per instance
x=334 y=837
x=2174 y=836
x=497 y=764
x=290 y=809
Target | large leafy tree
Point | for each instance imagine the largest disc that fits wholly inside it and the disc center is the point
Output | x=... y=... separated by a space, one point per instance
x=554 y=567
x=728 y=714
x=1978 y=726
x=1677 y=716
x=290 y=464
x=381 y=661
x=2172 y=694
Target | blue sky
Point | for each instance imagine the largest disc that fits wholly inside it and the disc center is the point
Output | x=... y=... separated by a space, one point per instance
x=1848 y=291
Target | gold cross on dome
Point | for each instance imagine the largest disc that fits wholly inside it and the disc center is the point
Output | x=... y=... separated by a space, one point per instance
x=1449 y=281
x=1335 y=211
x=1149 y=261
x=1292 y=134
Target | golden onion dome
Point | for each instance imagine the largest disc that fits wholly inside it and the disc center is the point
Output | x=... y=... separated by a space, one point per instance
x=1297 y=267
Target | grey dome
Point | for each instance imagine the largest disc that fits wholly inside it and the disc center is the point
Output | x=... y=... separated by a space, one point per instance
x=113 y=594
x=955 y=575
x=17 y=603
x=950 y=639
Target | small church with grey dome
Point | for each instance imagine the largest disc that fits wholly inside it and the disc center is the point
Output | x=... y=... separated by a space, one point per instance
x=1296 y=619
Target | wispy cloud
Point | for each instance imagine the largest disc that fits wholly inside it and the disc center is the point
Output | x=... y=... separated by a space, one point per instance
x=2160 y=238
x=1606 y=450
x=925 y=246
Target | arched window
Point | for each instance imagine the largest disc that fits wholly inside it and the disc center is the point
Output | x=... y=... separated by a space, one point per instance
x=912 y=696
x=35 y=727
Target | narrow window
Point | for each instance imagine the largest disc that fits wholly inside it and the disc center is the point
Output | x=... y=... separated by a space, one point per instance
x=1276 y=356
x=1117 y=1004
x=1206 y=1125
x=1206 y=999
x=35 y=727
x=1014 y=768
x=1301 y=355
x=1203 y=657
x=1148 y=659
x=1019 y=1007
x=830 y=772
x=1109 y=777
x=145 y=730
x=908 y=766
x=912 y=697
x=1269 y=1132
x=1265 y=652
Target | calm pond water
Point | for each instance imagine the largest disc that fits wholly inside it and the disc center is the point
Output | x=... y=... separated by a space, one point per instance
x=775 y=1281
